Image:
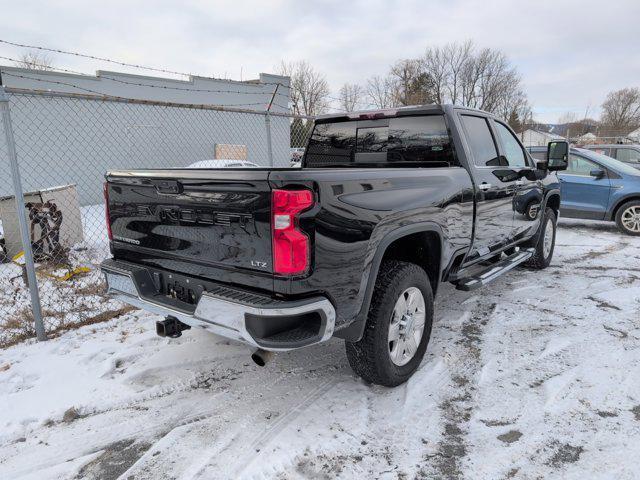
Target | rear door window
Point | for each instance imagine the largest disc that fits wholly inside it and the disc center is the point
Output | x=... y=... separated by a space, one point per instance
x=628 y=155
x=423 y=140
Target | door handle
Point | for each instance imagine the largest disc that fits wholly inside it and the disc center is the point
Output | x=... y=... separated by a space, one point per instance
x=519 y=182
x=484 y=186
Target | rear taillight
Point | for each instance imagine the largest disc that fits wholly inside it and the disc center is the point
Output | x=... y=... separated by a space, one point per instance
x=291 y=249
x=106 y=210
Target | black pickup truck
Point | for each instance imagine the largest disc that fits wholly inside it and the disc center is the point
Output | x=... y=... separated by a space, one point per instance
x=387 y=205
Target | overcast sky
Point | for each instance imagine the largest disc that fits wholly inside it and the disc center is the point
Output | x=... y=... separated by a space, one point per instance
x=569 y=53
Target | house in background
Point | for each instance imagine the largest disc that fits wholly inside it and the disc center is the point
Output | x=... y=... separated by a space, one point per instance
x=586 y=139
x=536 y=138
x=635 y=135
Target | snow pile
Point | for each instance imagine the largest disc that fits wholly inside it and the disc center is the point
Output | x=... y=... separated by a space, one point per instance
x=535 y=376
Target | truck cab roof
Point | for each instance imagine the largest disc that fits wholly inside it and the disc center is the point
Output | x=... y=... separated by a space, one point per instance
x=395 y=112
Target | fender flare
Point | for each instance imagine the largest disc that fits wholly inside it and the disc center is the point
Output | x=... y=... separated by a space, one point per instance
x=550 y=194
x=354 y=331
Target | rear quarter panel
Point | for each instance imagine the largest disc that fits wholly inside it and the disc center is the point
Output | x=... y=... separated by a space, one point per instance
x=358 y=208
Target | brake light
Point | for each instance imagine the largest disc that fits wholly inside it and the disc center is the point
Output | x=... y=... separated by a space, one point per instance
x=291 y=250
x=106 y=210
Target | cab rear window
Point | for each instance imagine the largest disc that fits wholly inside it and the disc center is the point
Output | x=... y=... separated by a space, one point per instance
x=422 y=141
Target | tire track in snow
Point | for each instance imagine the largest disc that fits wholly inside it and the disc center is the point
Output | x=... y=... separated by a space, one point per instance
x=456 y=408
x=254 y=383
x=271 y=432
x=254 y=399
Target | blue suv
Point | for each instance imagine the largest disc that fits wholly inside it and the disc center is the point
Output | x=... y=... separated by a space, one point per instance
x=598 y=187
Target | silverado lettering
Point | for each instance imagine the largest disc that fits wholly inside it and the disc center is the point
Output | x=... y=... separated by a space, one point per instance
x=171 y=214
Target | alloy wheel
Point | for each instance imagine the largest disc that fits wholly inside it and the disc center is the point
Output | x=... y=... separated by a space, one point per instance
x=407 y=326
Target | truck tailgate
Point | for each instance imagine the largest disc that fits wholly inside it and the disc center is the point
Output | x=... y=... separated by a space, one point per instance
x=203 y=222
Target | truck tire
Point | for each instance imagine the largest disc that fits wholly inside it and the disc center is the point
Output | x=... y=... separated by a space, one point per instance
x=628 y=218
x=398 y=326
x=545 y=242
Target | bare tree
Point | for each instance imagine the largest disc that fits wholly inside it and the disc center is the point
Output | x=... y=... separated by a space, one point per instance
x=412 y=85
x=484 y=79
x=350 y=97
x=567 y=117
x=457 y=56
x=435 y=62
x=380 y=91
x=514 y=107
x=621 y=109
x=309 y=89
x=34 y=61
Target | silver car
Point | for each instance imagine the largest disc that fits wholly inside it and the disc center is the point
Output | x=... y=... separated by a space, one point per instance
x=627 y=153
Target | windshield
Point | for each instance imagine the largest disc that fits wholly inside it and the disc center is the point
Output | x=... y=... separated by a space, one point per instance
x=609 y=162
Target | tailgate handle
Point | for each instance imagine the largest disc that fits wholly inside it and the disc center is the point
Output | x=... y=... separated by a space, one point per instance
x=169 y=186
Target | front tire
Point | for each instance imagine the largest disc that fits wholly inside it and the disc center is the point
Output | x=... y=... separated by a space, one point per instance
x=628 y=218
x=398 y=326
x=545 y=242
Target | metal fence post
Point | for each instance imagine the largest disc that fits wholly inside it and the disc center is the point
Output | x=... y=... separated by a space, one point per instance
x=267 y=123
x=22 y=216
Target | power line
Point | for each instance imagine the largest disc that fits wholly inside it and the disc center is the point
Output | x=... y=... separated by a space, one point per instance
x=143 y=67
x=118 y=62
x=140 y=84
x=119 y=97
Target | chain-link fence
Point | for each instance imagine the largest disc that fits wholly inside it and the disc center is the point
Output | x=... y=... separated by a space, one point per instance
x=536 y=136
x=65 y=143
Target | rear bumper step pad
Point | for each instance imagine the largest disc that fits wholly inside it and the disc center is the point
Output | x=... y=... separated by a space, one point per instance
x=256 y=320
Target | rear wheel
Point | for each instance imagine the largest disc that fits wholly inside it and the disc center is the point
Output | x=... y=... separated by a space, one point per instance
x=628 y=218
x=398 y=326
x=545 y=242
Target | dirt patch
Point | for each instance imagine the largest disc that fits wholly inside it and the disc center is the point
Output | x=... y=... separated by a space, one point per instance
x=510 y=437
x=497 y=423
x=29 y=331
x=114 y=461
x=214 y=379
x=564 y=454
x=325 y=467
x=71 y=415
x=605 y=414
x=636 y=412
x=593 y=254
x=512 y=473
x=540 y=381
x=602 y=304
x=615 y=332
x=457 y=409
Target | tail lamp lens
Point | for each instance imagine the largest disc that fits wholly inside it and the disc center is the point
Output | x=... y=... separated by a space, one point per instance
x=291 y=249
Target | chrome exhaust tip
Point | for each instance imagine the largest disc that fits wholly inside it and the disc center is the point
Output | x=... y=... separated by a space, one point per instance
x=261 y=357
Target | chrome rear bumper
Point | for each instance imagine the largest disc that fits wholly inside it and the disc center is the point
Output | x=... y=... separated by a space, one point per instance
x=227 y=317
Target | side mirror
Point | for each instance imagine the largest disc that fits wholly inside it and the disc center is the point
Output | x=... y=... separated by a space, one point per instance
x=541 y=164
x=597 y=172
x=557 y=156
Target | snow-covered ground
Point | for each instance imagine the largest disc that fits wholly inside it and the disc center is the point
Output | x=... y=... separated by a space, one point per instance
x=534 y=376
